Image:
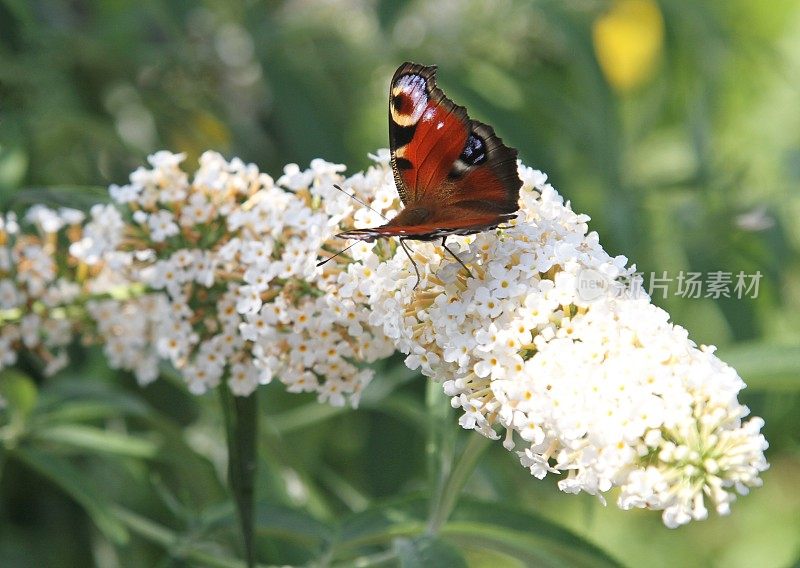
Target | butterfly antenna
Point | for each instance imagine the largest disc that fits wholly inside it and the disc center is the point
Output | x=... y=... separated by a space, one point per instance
x=345 y=249
x=357 y=200
x=454 y=256
x=414 y=264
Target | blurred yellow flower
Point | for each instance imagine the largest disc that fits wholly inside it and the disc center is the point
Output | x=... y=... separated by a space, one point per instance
x=204 y=130
x=628 y=40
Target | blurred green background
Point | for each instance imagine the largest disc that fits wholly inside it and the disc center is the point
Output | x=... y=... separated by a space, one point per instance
x=675 y=124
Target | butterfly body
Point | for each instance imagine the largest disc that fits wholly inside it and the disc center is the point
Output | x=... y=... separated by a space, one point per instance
x=453 y=174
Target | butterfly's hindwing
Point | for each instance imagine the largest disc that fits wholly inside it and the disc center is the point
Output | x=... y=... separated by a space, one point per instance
x=487 y=170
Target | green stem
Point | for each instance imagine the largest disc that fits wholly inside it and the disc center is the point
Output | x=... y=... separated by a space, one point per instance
x=241 y=429
x=455 y=482
x=440 y=445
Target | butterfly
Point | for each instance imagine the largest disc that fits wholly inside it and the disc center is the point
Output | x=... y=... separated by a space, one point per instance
x=453 y=174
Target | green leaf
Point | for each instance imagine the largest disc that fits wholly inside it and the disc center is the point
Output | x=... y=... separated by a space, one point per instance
x=13 y=166
x=382 y=523
x=427 y=551
x=277 y=521
x=765 y=366
x=86 y=410
x=519 y=534
x=66 y=400
x=63 y=474
x=390 y=376
x=241 y=429
x=97 y=440
x=304 y=416
x=19 y=391
x=75 y=196
x=474 y=527
x=177 y=547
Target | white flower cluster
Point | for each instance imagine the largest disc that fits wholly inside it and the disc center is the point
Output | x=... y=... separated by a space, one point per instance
x=36 y=286
x=600 y=386
x=129 y=330
x=217 y=274
x=233 y=255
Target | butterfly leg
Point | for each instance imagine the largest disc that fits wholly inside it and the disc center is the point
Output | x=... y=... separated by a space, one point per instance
x=414 y=264
x=454 y=256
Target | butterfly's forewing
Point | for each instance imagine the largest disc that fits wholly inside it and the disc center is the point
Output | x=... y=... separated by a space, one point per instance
x=427 y=132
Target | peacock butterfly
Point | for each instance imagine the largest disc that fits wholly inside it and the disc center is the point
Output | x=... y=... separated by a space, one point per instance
x=453 y=174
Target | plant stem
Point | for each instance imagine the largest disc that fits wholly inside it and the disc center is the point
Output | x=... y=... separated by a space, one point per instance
x=241 y=429
x=440 y=445
x=454 y=483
